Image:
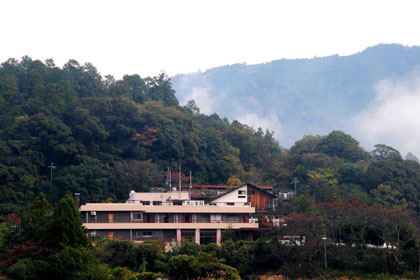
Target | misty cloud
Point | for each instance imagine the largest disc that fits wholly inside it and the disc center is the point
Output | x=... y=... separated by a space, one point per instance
x=270 y=122
x=393 y=117
x=201 y=95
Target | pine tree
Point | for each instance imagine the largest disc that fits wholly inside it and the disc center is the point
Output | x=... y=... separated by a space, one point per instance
x=35 y=222
x=66 y=228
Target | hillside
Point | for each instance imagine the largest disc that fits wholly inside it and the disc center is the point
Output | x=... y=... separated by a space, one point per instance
x=297 y=97
x=107 y=137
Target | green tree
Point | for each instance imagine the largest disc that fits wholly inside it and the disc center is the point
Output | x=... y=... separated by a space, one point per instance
x=384 y=152
x=136 y=175
x=342 y=145
x=322 y=180
x=192 y=107
x=27 y=269
x=387 y=196
x=66 y=227
x=36 y=221
x=183 y=267
x=302 y=203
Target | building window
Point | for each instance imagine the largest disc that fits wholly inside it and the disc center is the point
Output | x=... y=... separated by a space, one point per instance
x=145 y=202
x=177 y=202
x=150 y=218
x=212 y=204
x=147 y=234
x=241 y=196
x=251 y=192
x=111 y=235
x=188 y=235
x=268 y=205
x=232 y=218
x=241 y=192
x=166 y=218
x=137 y=216
x=157 y=203
x=110 y=218
x=230 y=203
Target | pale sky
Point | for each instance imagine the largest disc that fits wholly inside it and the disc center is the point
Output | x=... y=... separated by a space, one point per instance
x=145 y=37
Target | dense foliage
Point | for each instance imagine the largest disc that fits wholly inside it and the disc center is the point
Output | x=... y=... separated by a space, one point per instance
x=106 y=136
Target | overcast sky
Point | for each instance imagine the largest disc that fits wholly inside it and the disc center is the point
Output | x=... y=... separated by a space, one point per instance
x=145 y=37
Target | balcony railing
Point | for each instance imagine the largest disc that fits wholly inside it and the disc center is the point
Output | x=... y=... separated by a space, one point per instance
x=229 y=221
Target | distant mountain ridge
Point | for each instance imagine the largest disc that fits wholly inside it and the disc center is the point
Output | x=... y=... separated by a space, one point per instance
x=296 y=97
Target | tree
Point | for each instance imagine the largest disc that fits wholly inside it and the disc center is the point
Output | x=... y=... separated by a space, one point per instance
x=36 y=221
x=27 y=269
x=192 y=106
x=66 y=227
x=234 y=182
x=342 y=145
x=385 y=195
x=302 y=203
x=321 y=179
x=136 y=175
x=384 y=152
x=183 y=267
x=307 y=144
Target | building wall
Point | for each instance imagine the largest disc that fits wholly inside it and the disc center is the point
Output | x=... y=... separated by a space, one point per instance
x=259 y=199
x=169 y=235
x=119 y=217
x=233 y=196
x=140 y=234
x=117 y=234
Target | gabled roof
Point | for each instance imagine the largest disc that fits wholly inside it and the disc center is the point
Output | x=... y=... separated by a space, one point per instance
x=248 y=185
x=261 y=190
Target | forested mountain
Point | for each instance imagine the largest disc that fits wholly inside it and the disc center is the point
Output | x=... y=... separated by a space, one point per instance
x=298 y=97
x=106 y=137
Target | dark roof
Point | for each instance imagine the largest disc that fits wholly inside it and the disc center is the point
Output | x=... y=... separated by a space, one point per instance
x=248 y=185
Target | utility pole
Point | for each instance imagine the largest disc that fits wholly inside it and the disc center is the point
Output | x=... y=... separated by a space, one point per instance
x=180 y=179
x=168 y=179
x=190 y=183
x=295 y=181
x=51 y=168
x=324 y=238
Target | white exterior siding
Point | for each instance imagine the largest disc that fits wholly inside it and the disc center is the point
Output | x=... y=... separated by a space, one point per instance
x=237 y=197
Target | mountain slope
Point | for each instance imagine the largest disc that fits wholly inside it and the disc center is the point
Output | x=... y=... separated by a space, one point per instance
x=296 y=97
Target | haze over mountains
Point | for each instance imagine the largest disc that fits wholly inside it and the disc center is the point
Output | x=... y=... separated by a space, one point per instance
x=373 y=95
